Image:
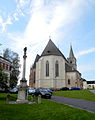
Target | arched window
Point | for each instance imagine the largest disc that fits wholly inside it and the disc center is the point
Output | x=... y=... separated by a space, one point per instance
x=34 y=76
x=68 y=81
x=56 y=69
x=47 y=68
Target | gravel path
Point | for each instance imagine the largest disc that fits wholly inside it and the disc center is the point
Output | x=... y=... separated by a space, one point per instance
x=78 y=103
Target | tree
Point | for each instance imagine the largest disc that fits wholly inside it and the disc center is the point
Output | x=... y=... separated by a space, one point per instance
x=13 y=80
x=3 y=79
x=6 y=54
x=14 y=58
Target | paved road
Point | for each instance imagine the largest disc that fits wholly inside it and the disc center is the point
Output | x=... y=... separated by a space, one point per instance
x=78 y=103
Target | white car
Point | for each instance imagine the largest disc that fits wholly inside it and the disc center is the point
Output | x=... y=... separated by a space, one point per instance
x=31 y=90
x=14 y=90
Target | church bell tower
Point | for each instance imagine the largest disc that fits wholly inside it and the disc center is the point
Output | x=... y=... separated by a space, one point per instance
x=72 y=59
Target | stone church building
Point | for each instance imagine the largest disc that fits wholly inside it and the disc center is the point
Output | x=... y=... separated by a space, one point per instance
x=52 y=70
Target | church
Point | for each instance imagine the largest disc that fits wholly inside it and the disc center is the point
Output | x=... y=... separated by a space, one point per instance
x=52 y=70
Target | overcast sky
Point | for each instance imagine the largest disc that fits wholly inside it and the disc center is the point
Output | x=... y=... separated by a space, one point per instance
x=69 y=22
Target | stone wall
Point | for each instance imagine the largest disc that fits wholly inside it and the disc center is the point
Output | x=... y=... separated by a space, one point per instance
x=51 y=81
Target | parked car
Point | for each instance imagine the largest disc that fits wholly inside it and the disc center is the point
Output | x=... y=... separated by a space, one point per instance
x=74 y=88
x=47 y=89
x=14 y=90
x=55 y=89
x=64 y=88
x=44 y=93
x=31 y=90
x=2 y=90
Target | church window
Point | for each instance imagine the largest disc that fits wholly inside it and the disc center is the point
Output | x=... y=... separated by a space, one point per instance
x=56 y=69
x=47 y=68
x=69 y=81
x=34 y=76
x=0 y=64
x=6 y=67
x=3 y=65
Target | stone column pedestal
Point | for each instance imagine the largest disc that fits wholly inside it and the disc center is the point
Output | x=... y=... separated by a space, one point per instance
x=22 y=92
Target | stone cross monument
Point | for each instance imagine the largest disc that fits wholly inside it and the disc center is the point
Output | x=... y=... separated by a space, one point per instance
x=22 y=90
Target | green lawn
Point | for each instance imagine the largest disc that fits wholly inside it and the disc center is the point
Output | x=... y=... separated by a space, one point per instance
x=48 y=110
x=80 y=94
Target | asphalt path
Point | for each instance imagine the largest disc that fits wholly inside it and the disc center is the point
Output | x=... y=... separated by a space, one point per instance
x=78 y=103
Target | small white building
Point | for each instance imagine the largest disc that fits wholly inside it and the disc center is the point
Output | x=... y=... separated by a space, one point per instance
x=53 y=70
x=89 y=84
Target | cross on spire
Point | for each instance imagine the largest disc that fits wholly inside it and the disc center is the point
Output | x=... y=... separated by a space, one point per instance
x=49 y=37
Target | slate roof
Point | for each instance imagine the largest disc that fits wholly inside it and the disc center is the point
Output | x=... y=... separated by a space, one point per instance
x=91 y=82
x=36 y=60
x=68 y=68
x=51 y=49
x=2 y=58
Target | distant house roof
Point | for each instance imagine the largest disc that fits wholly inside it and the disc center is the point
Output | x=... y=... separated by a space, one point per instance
x=91 y=82
x=51 y=49
x=2 y=58
x=83 y=79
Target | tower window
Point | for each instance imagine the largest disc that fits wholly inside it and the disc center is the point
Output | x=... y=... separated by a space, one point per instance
x=47 y=68
x=48 y=51
x=56 y=69
x=3 y=65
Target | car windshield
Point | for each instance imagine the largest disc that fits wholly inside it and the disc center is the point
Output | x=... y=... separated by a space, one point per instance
x=45 y=90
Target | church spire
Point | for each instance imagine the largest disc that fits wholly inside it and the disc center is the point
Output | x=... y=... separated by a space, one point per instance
x=72 y=59
x=71 y=54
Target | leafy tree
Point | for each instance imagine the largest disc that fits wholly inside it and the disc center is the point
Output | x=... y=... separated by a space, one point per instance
x=14 y=58
x=3 y=79
x=13 y=80
x=6 y=54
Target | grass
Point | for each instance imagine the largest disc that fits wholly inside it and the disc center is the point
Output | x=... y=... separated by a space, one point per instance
x=48 y=110
x=80 y=94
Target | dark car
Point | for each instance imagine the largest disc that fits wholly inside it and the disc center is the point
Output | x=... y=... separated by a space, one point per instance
x=44 y=93
x=47 y=89
x=2 y=90
x=75 y=88
x=64 y=88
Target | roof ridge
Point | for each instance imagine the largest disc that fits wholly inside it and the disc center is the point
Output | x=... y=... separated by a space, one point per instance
x=51 y=49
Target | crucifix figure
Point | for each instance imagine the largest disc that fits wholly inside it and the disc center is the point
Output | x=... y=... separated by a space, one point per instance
x=25 y=49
